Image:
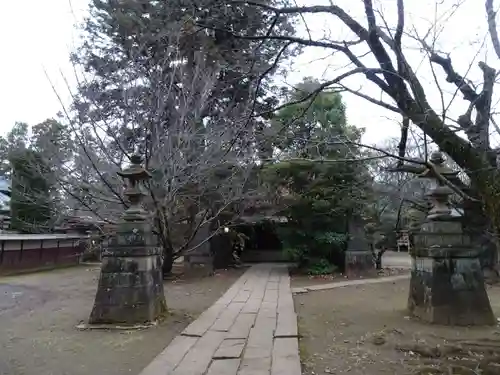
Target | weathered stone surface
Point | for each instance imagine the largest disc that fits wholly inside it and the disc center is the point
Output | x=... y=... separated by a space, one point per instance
x=270 y=295
x=267 y=310
x=230 y=348
x=224 y=367
x=447 y=285
x=205 y=321
x=286 y=360
x=359 y=263
x=130 y=289
x=242 y=296
x=167 y=360
x=285 y=300
x=241 y=327
x=201 y=255
x=286 y=325
x=255 y=366
x=198 y=358
x=252 y=306
x=272 y=285
x=249 y=346
x=449 y=291
x=260 y=340
x=227 y=317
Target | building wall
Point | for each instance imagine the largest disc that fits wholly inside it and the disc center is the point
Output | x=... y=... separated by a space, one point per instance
x=24 y=252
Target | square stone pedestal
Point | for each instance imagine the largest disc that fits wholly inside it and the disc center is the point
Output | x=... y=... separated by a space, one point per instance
x=447 y=285
x=359 y=263
x=130 y=289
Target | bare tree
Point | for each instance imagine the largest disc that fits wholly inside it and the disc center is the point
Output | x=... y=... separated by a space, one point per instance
x=199 y=148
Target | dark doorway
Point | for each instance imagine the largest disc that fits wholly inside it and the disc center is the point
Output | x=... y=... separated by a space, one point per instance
x=264 y=244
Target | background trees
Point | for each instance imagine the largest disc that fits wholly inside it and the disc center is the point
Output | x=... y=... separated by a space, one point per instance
x=30 y=203
x=378 y=47
x=154 y=83
x=190 y=84
x=320 y=173
x=31 y=161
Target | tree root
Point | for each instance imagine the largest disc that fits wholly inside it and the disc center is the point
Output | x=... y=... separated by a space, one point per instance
x=463 y=358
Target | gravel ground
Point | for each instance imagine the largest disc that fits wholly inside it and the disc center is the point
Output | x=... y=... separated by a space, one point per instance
x=365 y=330
x=39 y=313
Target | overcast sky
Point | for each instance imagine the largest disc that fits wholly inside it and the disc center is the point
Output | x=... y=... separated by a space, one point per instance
x=38 y=35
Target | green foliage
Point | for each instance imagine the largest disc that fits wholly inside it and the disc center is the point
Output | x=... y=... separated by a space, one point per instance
x=321 y=267
x=16 y=139
x=30 y=200
x=321 y=180
x=32 y=162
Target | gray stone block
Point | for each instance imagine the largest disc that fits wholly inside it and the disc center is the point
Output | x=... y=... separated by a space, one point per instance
x=271 y=295
x=128 y=292
x=450 y=292
x=285 y=301
x=204 y=321
x=230 y=348
x=168 y=359
x=252 y=306
x=198 y=358
x=255 y=366
x=286 y=325
x=224 y=367
x=272 y=285
x=241 y=327
x=242 y=296
x=227 y=317
x=359 y=263
x=286 y=366
x=285 y=357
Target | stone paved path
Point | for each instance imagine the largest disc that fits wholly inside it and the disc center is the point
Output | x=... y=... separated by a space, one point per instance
x=250 y=330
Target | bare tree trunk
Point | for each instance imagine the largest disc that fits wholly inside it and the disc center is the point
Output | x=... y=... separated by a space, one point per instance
x=168 y=261
x=378 y=261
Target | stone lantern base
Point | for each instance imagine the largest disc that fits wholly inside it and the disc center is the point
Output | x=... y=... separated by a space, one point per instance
x=130 y=289
x=359 y=263
x=447 y=285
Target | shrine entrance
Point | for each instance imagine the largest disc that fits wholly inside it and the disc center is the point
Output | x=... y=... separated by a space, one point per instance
x=263 y=244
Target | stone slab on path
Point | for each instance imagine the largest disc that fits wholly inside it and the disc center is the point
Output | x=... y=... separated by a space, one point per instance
x=342 y=284
x=250 y=330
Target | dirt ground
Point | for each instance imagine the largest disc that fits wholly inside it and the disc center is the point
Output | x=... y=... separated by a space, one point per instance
x=365 y=330
x=300 y=280
x=39 y=313
x=393 y=263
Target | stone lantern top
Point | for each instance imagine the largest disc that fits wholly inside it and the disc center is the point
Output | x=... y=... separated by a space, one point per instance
x=135 y=170
x=134 y=175
x=415 y=218
x=370 y=227
x=439 y=195
x=437 y=159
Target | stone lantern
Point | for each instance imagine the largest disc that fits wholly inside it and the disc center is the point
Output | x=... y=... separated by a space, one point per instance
x=415 y=217
x=130 y=289
x=439 y=196
x=447 y=285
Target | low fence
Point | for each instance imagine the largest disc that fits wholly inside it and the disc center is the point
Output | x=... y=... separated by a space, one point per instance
x=32 y=251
